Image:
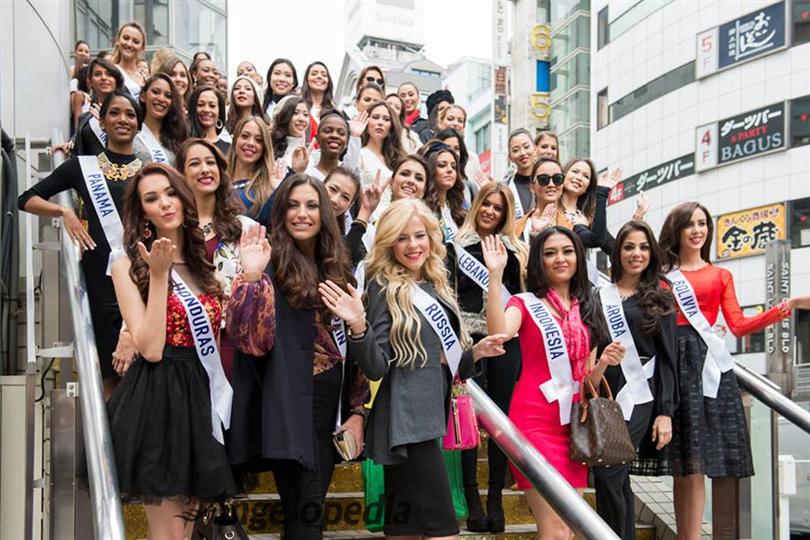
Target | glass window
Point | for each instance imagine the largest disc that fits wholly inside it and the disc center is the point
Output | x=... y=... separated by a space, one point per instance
x=640 y=11
x=800 y=222
x=602 y=28
x=602 y=109
x=562 y=9
x=96 y=23
x=800 y=121
x=154 y=14
x=542 y=15
x=570 y=37
x=677 y=78
x=575 y=142
x=573 y=72
x=801 y=21
x=571 y=110
x=198 y=27
x=482 y=139
x=752 y=343
x=803 y=336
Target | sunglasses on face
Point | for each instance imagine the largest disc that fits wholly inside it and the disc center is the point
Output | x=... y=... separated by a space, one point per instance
x=374 y=80
x=546 y=179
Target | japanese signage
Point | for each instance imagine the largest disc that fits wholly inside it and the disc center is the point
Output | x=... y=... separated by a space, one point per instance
x=745 y=38
x=500 y=40
x=500 y=88
x=748 y=134
x=778 y=337
x=651 y=178
x=749 y=232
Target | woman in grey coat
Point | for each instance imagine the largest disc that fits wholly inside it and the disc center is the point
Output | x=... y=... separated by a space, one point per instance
x=412 y=339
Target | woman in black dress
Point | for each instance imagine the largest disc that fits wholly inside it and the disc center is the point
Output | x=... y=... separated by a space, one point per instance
x=637 y=301
x=121 y=119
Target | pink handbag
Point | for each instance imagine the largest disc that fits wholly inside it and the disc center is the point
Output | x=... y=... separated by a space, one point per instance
x=462 y=425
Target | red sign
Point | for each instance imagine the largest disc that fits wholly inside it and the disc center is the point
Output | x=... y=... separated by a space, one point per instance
x=486 y=161
x=616 y=193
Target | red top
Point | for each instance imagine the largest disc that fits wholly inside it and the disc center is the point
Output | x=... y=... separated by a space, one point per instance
x=178 y=332
x=714 y=288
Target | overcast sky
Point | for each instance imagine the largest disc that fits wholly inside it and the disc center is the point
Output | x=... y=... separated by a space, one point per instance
x=308 y=30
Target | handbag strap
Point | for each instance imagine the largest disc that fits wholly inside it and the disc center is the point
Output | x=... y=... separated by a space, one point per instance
x=594 y=391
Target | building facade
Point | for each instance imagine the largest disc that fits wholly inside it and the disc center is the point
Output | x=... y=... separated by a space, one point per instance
x=550 y=71
x=470 y=81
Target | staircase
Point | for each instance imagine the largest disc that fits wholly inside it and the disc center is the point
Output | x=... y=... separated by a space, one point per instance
x=262 y=515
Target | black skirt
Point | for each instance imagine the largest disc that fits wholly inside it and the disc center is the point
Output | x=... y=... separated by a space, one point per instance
x=418 y=501
x=160 y=420
x=710 y=436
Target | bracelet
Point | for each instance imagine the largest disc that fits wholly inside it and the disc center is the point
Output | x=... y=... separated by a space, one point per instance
x=354 y=336
x=362 y=222
x=784 y=309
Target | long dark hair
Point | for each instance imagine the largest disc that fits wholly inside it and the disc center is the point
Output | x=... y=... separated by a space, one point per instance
x=105 y=107
x=455 y=195
x=392 y=144
x=281 y=124
x=463 y=155
x=255 y=110
x=173 y=130
x=655 y=302
x=296 y=275
x=193 y=242
x=579 y=287
x=196 y=128
x=268 y=93
x=328 y=101
x=416 y=158
x=227 y=208
x=586 y=203
x=670 y=240
x=111 y=69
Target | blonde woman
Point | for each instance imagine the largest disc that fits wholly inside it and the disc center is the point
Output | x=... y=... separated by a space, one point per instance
x=130 y=43
x=252 y=167
x=408 y=296
x=491 y=214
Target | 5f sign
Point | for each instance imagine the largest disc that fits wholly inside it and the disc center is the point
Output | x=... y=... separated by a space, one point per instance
x=706 y=145
x=706 y=60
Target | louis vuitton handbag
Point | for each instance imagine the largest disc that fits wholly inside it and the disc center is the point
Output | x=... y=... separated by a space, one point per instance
x=599 y=436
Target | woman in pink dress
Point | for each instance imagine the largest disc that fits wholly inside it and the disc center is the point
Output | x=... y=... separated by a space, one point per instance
x=560 y=301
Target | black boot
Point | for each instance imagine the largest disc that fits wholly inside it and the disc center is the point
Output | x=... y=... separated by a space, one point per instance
x=495 y=520
x=476 y=520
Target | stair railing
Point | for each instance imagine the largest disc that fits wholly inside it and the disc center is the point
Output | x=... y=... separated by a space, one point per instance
x=565 y=500
x=108 y=518
x=771 y=395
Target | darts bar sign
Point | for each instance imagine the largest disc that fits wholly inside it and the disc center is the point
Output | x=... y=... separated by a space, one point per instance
x=746 y=135
x=745 y=38
x=659 y=175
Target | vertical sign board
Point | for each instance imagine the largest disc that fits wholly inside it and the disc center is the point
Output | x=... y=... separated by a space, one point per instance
x=500 y=77
x=706 y=147
x=706 y=59
x=779 y=337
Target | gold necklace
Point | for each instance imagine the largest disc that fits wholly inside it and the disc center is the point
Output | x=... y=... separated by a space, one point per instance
x=118 y=173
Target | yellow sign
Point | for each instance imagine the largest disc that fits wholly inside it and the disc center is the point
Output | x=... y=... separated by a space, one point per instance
x=538 y=103
x=541 y=38
x=746 y=233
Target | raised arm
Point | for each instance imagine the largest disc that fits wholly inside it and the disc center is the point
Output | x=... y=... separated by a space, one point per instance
x=498 y=321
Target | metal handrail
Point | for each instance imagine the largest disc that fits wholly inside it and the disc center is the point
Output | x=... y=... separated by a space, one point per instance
x=565 y=500
x=769 y=394
x=108 y=518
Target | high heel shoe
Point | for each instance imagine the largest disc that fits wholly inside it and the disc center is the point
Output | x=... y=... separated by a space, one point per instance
x=476 y=520
x=496 y=523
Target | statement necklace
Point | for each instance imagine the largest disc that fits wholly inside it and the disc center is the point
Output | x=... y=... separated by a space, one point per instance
x=118 y=173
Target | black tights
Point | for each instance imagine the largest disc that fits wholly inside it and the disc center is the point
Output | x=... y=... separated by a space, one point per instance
x=497 y=378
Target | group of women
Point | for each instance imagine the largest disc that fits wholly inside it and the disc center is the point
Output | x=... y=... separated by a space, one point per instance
x=246 y=288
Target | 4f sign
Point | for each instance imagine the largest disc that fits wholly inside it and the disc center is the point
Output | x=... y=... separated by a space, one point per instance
x=706 y=145
x=706 y=60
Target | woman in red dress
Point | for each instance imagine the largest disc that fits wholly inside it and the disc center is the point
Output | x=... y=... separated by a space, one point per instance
x=559 y=300
x=710 y=434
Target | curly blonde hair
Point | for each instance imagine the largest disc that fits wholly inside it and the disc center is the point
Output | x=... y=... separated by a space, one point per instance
x=398 y=284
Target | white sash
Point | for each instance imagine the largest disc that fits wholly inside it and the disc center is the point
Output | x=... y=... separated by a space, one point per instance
x=153 y=145
x=561 y=387
x=220 y=389
x=131 y=84
x=104 y=206
x=718 y=359
x=476 y=271
x=590 y=265
x=347 y=222
x=339 y=335
x=636 y=389
x=449 y=227
x=435 y=314
x=360 y=276
x=100 y=134
x=368 y=236
x=519 y=211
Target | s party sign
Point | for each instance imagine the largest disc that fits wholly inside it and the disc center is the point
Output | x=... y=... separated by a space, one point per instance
x=748 y=134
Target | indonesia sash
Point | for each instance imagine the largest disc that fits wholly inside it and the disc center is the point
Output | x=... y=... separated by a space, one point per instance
x=636 y=389
x=561 y=387
x=718 y=359
x=437 y=317
x=220 y=390
x=104 y=206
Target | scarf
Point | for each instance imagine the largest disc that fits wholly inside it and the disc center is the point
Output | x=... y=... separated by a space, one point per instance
x=411 y=118
x=576 y=334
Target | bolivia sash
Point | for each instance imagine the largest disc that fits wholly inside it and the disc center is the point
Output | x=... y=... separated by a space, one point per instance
x=561 y=387
x=104 y=206
x=636 y=390
x=220 y=391
x=718 y=359
x=435 y=314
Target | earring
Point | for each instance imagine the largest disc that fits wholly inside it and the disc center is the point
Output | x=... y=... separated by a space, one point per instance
x=220 y=125
x=147 y=232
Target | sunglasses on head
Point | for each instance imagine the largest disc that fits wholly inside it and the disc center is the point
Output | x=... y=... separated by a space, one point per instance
x=369 y=78
x=546 y=179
